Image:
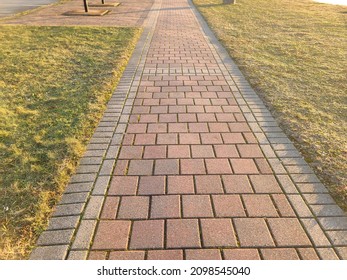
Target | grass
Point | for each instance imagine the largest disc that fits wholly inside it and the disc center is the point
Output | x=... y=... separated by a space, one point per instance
x=54 y=85
x=293 y=52
x=25 y=12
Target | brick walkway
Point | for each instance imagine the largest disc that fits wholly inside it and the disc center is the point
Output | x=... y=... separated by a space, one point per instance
x=188 y=163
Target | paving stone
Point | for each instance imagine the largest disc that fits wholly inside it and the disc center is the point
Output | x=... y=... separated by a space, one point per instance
x=101 y=185
x=283 y=206
x=226 y=151
x=110 y=208
x=315 y=232
x=167 y=139
x=91 y=160
x=131 y=152
x=259 y=206
x=123 y=185
x=292 y=169
x=67 y=222
x=112 y=235
x=265 y=184
x=97 y=255
x=233 y=138
x=68 y=210
x=57 y=252
x=300 y=206
x=56 y=237
x=84 y=235
x=202 y=151
x=165 y=255
x=319 y=198
x=97 y=153
x=178 y=151
x=107 y=167
x=180 y=184
x=237 y=184
x=218 y=166
x=203 y=254
x=206 y=184
x=140 y=167
x=244 y=166
x=151 y=185
x=147 y=234
x=127 y=255
x=288 y=232
x=145 y=139
x=112 y=152
x=182 y=233
x=165 y=206
x=308 y=254
x=338 y=238
x=279 y=254
x=178 y=127
x=228 y=206
x=312 y=188
x=263 y=166
x=253 y=232
x=327 y=254
x=342 y=251
x=133 y=207
x=87 y=169
x=155 y=152
x=249 y=151
x=166 y=167
x=305 y=178
x=78 y=255
x=287 y=184
x=121 y=168
x=277 y=166
x=189 y=138
x=241 y=254
x=74 y=198
x=327 y=210
x=217 y=233
x=79 y=187
x=192 y=166
x=211 y=138
x=93 y=207
x=333 y=223
x=196 y=206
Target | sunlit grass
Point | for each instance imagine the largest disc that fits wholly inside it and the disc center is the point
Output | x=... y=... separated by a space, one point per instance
x=54 y=84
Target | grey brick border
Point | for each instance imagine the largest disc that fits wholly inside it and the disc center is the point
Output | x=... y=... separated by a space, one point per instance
x=73 y=223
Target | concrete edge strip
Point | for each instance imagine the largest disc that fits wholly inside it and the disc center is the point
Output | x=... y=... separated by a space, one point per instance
x=279 y=150
x=73 y=223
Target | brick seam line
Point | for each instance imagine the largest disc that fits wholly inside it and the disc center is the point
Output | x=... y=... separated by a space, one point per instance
x=223 y=59
x=118 y=100
x=149 y=27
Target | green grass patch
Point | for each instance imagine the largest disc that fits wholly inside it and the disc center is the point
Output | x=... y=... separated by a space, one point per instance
x=293 y=52
x=54 y=85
